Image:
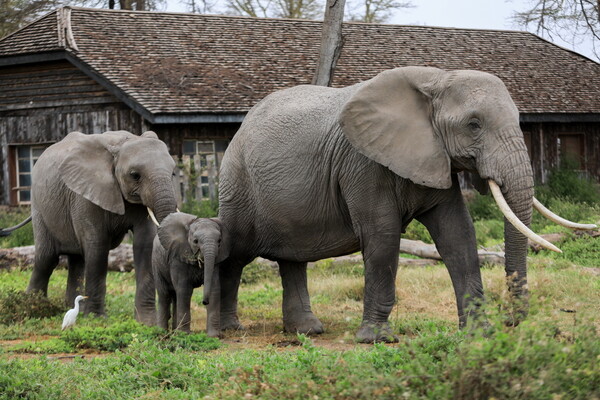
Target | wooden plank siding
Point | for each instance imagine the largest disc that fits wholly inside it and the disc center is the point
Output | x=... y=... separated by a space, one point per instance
x=41 y=103
x=544 y=149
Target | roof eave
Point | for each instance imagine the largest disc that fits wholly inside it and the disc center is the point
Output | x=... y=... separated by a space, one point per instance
x=560 y=117
x=199 y=118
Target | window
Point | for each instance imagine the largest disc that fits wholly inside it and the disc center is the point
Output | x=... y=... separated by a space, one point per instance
x=25 y=159
x=571 y=148
x=201 y=159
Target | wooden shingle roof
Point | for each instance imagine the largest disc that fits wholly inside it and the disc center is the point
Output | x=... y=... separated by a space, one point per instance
x=171 y=64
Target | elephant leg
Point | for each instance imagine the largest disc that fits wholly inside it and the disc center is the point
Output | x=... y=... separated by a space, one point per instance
x=145 y=308
x=45 y=261
x=380 y=256
x=452 y=230
x=96 y=267
x=164 y=308
x=183 y=317
x=297 y=314
x=75 y=280
x=174 y=320
x=230 y=274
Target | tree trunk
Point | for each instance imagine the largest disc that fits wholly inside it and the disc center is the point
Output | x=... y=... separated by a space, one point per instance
x=331 y=42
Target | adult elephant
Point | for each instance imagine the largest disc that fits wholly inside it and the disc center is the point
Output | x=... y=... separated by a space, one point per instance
x=87 y=192
x=317 y=172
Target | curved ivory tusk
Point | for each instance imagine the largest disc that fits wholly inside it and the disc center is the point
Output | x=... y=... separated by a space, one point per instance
x=515 y=221
x=177 y=209
x=560 y=220
x=152 y=217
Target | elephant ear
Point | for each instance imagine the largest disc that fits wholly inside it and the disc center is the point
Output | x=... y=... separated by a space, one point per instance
x=389 y=120
x=173 y=236
x=225 y=247
x=87 y=167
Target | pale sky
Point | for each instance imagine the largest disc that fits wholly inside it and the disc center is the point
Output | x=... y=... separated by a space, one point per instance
x=477 y=14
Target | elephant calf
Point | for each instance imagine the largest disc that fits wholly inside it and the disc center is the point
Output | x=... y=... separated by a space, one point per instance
x=184 y=255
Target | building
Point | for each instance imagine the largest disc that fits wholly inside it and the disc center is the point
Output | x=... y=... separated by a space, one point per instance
x=191 y=78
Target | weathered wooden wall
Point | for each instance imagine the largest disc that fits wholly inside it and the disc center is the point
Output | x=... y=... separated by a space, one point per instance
x=41 y=103
x=545 y=152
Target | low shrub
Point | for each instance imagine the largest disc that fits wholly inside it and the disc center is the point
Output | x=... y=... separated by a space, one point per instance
x=417 y=231
x=18 y=306
x=566 y=182
x=11 y=216
x=120 y=335
x=202 y=208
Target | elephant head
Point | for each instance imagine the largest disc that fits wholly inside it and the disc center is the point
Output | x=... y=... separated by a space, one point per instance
x=114 y=167
x=205 y=241
x=425 y=123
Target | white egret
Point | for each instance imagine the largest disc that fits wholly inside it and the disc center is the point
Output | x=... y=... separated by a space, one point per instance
x=71 y=315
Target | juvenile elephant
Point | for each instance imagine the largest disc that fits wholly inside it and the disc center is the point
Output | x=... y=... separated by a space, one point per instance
x=317 y=172
x=87 y=192
x=185 y=252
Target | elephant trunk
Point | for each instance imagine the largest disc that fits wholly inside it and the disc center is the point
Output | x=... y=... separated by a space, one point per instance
x=515 y=179
x=209 y=253
x=163 y=200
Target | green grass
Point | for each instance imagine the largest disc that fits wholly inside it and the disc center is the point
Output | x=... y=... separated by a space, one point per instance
x=553 y=354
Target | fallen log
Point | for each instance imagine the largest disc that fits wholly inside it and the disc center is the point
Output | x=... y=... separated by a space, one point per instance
x=422 y=249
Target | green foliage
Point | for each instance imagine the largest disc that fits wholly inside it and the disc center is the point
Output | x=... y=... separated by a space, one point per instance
x=11 y=216
x=120 y=335
x=483 y=208
x=201 y=209
x=489 y=232
x=417 y=231
x=582 y=251
x=18 y=306
x=565 y=182
x=268 y=295
x=328 y=267
x=256 y=272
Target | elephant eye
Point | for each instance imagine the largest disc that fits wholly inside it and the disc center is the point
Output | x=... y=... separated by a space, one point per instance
x=135 y=176
x=195 y=241
x=474 y=125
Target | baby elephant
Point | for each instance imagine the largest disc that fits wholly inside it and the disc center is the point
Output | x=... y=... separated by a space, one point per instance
x=185 y=252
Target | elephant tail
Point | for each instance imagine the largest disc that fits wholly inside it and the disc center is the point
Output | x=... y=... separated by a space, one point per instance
x=8 y=231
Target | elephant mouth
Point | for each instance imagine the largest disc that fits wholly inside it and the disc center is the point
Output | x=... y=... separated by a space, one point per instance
x=521 y=227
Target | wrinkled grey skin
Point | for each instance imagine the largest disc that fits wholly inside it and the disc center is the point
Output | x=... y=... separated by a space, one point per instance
x=88 y=191
x=317 y=172
x=185 y=252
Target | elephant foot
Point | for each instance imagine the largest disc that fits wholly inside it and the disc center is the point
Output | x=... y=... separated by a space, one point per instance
x=307 y=323
x=372 y=332
x=148 y=319
x=230 y=324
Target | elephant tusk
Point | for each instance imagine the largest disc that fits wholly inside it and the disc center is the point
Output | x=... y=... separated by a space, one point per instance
x=152 y=217
x=560 y=220
x=515 y=221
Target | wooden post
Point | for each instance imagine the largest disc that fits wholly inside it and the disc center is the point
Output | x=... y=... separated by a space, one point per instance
x=331 y=42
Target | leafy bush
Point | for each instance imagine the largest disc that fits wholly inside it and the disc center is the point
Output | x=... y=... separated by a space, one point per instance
x=566 y=182
x=202 y=208
x=122 y=334
x=17 y=306
x=489 y=232
x=11 y=216
x=417 y=231
x=483 y=207
x=258 y=272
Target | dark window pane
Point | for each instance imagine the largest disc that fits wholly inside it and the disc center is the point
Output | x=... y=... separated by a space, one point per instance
x=25 y=165
x=24 y=195
x=24 y=180
x=189 y=147
x=37 y=151
x=24 y=151
x=203 y=162
x=205 y=147
x=221 y=145
x=204 y=179
x=204 y=191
